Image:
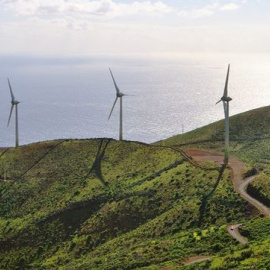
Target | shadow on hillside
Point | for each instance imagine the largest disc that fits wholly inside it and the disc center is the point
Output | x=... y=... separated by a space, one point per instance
x=208 y=196
x=96 y=167
x=40 y=158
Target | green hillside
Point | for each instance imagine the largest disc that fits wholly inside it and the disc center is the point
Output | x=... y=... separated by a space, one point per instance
x=105 y=204
x=250 y=141
x=249 y=136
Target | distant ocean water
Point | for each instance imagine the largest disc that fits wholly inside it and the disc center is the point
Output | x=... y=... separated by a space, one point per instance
x=72 y=98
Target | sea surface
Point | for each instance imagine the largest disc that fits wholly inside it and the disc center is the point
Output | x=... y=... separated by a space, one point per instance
x=166 y=95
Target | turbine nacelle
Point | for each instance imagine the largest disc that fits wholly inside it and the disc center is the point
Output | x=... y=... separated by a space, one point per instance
x=119 y=95
x=225 y=99
x=15 y=102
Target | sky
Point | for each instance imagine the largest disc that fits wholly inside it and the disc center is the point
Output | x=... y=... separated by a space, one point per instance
x=69 y=28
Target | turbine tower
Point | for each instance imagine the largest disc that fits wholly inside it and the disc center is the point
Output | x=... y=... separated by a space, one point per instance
x=15 y=103
x=118 y=95
x=226 y=99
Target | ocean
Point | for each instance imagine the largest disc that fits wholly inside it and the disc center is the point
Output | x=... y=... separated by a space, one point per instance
x=166 y=95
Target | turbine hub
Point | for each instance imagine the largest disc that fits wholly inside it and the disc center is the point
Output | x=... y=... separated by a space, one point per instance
x=119 y=94
x=15 y=102
x=227 y=99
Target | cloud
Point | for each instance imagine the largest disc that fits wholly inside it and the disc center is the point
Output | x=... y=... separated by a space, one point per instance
x=101 y=8
x=85 y=27
x=38 y=37
x=229 y=6
x=81 y=14
x=199 y=12
x=208 y=10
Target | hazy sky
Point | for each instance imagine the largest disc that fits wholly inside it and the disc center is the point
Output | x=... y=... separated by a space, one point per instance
x=86 y=27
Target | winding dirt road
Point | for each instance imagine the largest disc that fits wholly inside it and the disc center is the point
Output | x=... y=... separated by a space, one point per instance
x=240 y=184
x=261 y=207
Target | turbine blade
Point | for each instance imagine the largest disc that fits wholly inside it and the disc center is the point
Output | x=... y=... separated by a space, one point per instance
x=218 y=102
x=10 y=89
x=112 y=108
x=226 y=83
x=11 y=109
x=115 y=85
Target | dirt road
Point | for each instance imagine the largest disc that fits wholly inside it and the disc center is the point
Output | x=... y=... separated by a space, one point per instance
x=261 y=207
x=195 y=259
x=240 y=184
x=234 y=232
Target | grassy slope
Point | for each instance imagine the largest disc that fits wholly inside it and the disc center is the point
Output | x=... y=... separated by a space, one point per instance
x=249 y=136
x=245 y=126
x=104 y=204
x=250 y=140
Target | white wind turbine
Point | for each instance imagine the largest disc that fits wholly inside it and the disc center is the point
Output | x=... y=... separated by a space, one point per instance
x=15 y=103
x=118 y=95
x=226 y=99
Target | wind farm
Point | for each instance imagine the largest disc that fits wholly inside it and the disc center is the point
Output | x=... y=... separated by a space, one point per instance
x=93 y=202
x=117 y=204
x=176 y=178
x=133 y=105
x=161 y=104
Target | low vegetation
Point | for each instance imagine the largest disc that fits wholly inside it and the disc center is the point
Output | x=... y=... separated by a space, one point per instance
x=105 y=204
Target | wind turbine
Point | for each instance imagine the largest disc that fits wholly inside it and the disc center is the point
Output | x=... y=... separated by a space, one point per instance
x=15 y=103
x=118 y=95
x=226 y=99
